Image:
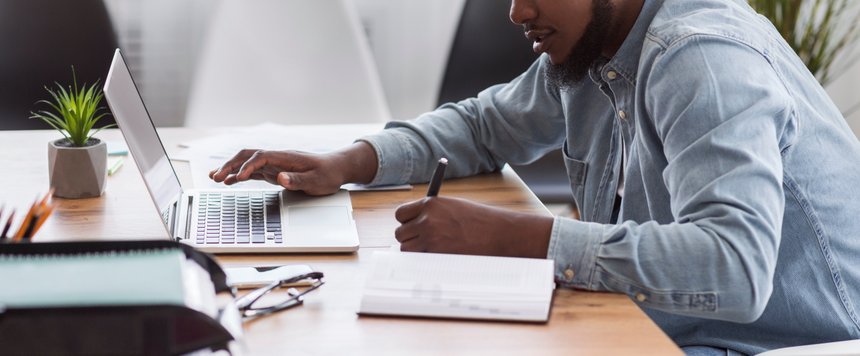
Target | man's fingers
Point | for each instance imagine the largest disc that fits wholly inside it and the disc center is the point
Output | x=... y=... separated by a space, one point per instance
x=406 y=232
x=293 y=180
x=230 y=167
x=414 y=245
x=409 y=210
x=257 y=161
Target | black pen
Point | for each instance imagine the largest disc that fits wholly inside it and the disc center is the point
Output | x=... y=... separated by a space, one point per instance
x=438 y=175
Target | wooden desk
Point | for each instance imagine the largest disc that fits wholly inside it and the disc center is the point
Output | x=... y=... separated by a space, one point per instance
x=581 y=322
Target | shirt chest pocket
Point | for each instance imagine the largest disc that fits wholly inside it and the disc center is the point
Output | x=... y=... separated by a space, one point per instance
x=576 y=173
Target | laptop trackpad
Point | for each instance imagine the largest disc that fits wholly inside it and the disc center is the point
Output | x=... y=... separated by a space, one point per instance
x=317 y=215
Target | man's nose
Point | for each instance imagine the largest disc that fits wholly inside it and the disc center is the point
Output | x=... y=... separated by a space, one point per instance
x=522 y=11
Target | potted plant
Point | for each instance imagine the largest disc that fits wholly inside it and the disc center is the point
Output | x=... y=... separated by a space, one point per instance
x=817 y=30
x=77 y=163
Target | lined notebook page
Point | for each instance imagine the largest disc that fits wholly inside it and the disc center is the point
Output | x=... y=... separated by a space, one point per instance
x=461 y=286
x=121 y=278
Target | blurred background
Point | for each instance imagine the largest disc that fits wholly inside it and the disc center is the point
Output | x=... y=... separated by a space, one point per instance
x=165 y=41
x=242 y=62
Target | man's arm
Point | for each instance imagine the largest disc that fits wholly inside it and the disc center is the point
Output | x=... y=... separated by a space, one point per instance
x=720 y=111
x=517 y=123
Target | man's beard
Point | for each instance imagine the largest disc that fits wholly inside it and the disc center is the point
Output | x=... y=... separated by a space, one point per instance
x=585 y=51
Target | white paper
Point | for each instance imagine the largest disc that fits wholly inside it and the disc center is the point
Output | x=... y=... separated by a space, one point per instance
x=363 y=188
x=269 y=136
x=209 y=153
x=200 y=168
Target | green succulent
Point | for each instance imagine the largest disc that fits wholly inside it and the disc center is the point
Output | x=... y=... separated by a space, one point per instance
x=75 y=110
x=818 y=30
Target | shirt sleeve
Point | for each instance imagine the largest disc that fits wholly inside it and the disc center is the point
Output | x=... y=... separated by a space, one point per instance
x=721 y=113
x=517 y=123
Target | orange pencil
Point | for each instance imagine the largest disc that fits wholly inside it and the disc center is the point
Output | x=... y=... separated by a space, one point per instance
x=44 y=216
x=28 y=220
x=43 y=210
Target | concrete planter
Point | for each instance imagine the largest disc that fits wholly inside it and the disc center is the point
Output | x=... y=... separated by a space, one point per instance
x=77 y=172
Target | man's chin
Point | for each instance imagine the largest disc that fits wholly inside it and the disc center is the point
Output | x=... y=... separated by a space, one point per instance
x=556 y=60
x=566 y=74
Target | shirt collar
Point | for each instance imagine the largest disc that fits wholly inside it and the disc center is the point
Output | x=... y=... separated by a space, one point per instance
x=626 y=60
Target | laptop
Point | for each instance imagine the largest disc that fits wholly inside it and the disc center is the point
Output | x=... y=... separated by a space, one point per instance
x=225 y=220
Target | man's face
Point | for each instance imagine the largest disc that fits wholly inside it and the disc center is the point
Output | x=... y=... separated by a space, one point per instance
x=571 y=32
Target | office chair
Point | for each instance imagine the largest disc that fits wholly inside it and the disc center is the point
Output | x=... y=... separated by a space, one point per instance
x=488 y=49
x=286 y=61
x=39 y=42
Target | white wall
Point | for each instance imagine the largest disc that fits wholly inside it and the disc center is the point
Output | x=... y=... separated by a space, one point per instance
x=161 y=40
x=843 y=87
x=410 y=40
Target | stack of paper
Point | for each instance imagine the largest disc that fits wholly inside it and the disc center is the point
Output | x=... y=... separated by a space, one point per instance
x=458 y=286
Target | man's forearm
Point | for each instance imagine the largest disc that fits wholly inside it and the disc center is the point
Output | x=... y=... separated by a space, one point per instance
x=538 y=229
x=359 y=162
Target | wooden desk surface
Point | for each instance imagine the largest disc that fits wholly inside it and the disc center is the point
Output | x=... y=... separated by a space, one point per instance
x=581 y=322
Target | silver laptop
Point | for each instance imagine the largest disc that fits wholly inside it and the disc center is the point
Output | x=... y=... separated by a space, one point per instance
x=225 y=220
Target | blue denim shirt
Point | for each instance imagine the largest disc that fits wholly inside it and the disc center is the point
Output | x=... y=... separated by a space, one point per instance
x=740 y=222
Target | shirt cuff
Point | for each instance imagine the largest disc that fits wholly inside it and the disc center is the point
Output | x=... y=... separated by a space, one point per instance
x=395 y=157
x=574 y=245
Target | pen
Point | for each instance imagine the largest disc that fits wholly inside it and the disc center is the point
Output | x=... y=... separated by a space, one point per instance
x=115 y=167
x=438 y=175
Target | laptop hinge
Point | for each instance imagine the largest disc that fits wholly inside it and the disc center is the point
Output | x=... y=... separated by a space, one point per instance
x=188 y=216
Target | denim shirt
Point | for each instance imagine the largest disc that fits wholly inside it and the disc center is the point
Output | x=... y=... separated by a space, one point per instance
x=740 y=222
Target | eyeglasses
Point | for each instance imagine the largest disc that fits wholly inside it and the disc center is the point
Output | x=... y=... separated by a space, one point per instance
x=249 y=304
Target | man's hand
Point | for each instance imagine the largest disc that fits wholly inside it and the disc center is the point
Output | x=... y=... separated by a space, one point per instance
x=315 y=174
x=452 y=225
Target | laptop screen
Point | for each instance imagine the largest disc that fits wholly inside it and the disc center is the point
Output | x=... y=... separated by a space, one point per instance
x=142 y=139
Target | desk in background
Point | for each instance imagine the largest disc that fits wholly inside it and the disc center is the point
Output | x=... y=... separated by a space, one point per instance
x=581 y=322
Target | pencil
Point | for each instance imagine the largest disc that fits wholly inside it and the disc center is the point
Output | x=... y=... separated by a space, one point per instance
x=44 y=216
x=115 y=166
x=438 y=175
x=43 y=210
x=26 y=222
x=8 y=225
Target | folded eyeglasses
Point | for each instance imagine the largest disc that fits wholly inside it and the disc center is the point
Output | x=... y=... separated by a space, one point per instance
x=250 y=305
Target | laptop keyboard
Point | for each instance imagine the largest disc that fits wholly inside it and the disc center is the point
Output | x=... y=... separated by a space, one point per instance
x=238 y=218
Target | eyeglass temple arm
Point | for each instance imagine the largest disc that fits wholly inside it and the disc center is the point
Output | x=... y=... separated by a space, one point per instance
x=248 y=299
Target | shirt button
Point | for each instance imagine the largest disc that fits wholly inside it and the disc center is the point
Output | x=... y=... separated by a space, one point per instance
x=568 y=273
x=622 y=114
x=641 y=297
x=611 y=75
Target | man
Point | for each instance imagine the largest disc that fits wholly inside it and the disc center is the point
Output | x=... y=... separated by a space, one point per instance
x=715 y=179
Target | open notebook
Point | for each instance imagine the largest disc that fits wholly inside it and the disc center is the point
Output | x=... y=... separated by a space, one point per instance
x=458 y=286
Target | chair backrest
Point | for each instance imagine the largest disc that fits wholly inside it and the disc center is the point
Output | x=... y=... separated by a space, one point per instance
x=488 y=49
x=39 y=42
x=286 y=61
